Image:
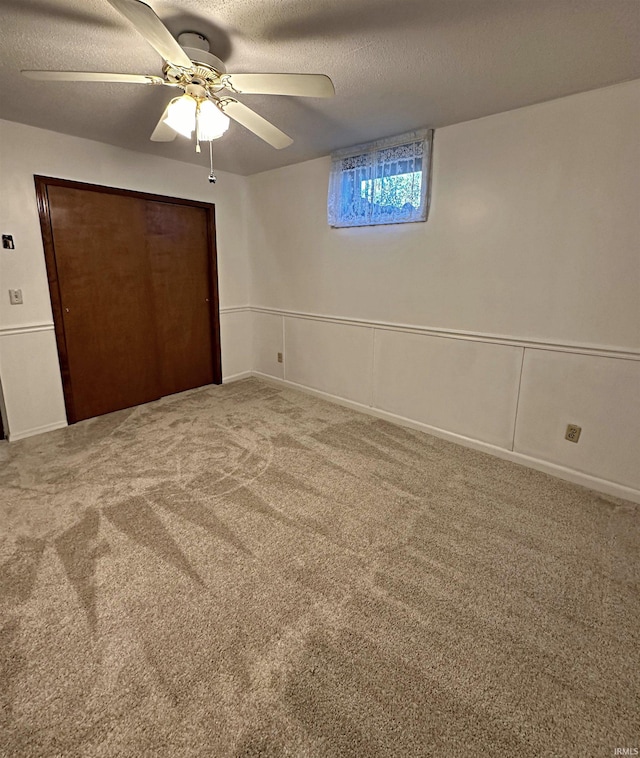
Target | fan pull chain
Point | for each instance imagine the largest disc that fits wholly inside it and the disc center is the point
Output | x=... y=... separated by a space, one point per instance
x=198 y=128
x=212 y=176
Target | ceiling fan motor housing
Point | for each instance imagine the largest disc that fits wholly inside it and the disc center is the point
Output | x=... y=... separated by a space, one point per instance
x=196 y=46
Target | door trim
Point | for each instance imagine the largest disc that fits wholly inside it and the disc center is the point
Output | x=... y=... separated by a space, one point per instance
x=44 y=214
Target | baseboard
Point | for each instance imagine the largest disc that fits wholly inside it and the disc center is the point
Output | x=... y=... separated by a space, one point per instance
x=15 y=436
x=236 y=377
x=561 y=472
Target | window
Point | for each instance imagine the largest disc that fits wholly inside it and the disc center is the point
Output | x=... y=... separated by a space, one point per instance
x=384 y=182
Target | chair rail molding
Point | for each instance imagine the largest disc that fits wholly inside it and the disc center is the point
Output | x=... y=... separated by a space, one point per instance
x=604 y=351
x=45 y=326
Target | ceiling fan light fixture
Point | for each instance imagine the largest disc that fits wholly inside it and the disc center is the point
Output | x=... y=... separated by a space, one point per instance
x=181 y=115
x=212 y=123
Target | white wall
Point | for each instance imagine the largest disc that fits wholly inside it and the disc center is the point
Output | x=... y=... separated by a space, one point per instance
x=29 y=370
x=513 y=311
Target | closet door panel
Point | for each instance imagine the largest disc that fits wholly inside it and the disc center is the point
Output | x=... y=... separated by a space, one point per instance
x=178 y=249
x=107 y=300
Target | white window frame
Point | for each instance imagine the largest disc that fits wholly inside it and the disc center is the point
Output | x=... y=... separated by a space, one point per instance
x=366 y=163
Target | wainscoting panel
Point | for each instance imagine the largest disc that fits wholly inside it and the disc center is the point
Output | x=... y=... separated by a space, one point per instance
x=236 y=342
x=469 y=388
x=31 y=383
x=268 y=338
x=601 y=395
x=334 y=358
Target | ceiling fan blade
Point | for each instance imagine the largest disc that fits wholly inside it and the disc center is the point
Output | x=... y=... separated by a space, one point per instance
x=302 y=85
x=144 y=18
x=163 y=132
x=89 y=76
x=255 y=123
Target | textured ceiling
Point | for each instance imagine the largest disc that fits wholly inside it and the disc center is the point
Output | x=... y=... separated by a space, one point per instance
x=397 y=65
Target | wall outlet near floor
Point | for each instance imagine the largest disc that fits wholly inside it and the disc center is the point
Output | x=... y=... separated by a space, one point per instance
x=573 y=433
x=279 y=357
x=15 y=297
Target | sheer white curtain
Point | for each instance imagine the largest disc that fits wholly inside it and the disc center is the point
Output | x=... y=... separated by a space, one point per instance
x=383 y=182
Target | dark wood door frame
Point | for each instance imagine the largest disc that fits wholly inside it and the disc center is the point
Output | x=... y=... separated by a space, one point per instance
x=41 y=183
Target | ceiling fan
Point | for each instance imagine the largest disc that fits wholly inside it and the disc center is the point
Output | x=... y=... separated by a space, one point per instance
x=205 y=105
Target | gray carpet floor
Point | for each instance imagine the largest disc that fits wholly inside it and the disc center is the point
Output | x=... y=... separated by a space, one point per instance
x=250 y=571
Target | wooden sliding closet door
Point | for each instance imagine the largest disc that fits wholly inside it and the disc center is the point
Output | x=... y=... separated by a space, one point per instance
x=181 y=295
x=107 y=300
x=134 y=294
